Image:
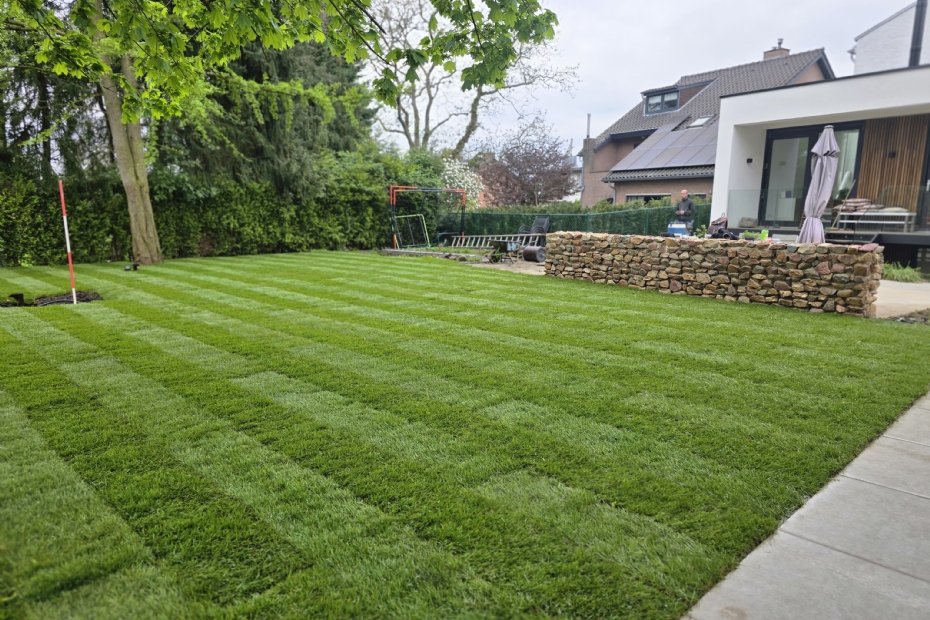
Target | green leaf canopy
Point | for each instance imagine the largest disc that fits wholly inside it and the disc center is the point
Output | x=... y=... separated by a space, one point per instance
x=176 y=44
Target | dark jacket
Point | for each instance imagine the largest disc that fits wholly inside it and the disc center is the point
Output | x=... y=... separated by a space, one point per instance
x=688 y=207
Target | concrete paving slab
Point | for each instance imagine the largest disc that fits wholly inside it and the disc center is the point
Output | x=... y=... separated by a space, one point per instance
x=922 y=403
x=858 y=550
x=871 y=522
x=895 y=464
x=913 y=426
x=789 y=578
x=898 y=298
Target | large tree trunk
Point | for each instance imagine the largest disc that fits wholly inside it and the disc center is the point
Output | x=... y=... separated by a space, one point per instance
x=130 y=161
x=45 y=121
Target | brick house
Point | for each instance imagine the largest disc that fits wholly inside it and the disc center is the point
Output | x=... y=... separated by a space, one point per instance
x=668 y=141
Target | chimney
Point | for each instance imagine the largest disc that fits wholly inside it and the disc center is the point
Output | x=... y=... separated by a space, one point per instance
x=776 y=52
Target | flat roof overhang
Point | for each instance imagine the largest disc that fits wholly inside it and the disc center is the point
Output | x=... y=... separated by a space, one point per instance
x=883 y=94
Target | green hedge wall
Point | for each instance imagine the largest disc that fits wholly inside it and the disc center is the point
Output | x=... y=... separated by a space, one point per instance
x=195 y=218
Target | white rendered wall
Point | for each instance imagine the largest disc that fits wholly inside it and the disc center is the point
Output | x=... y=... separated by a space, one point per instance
x=745 y=119
x=888 y=45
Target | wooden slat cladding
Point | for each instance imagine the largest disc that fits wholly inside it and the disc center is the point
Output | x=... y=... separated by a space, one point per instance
x=893 y=181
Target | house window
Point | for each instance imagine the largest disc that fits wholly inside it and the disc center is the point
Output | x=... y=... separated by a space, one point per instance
x=699 y=122
x=663 y=102
x=646 y=197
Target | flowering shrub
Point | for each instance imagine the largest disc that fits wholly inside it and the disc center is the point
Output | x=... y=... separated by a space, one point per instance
x=457 y=174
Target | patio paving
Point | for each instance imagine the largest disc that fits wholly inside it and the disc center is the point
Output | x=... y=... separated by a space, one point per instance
x=900 y=298
x=859 y=549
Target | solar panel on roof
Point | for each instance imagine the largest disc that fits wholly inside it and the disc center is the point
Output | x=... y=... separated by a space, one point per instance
x=689 y=147
x=704 y=156
x=630 y=159
x=707 y=135
x=685 y=155
x=664 y=157
x=646 y=160
x=687 y=137
x=667 y=140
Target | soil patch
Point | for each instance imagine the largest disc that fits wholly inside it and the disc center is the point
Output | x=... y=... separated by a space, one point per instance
x=16 y=299
x=918 y=316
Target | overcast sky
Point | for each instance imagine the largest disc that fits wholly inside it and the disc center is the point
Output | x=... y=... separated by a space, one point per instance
x=624 y=47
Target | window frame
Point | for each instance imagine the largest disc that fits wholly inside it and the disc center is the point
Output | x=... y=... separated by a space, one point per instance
x=662 y=101
x=642 y=197
x=812 y=132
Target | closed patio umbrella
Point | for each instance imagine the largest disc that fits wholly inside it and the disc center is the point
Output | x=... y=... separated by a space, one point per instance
x=823 y=173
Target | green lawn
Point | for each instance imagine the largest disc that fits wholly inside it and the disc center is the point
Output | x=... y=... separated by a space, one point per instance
x=349 y=435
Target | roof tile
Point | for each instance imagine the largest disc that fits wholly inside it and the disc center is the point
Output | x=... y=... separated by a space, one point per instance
x=760 y=75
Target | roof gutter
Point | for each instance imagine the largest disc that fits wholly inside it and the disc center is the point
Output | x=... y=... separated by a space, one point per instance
x=920 y=18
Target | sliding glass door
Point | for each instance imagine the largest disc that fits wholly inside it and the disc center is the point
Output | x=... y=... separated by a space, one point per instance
x=787 y=171
x=788 y=178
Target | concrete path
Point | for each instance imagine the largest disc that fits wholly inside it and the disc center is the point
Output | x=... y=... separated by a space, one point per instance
x=898 y=298
x=859 y=549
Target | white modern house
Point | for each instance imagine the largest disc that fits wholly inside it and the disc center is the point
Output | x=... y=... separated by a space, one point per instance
x=882 y=124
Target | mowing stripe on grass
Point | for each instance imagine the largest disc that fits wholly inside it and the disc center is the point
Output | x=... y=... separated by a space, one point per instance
x=28 y=285
x=446 y=282
x=532 y=385
x=662 y=334
x=614 y=473
x=744 y=422
x=428 y=495
x=326 y=524
x=56 y=535
x=802 y=452
x=615 y=449
x=627 y=411
x=620 y=384
x=430 y=316
x=669 y=331
x=139 y=592
x=220 y=550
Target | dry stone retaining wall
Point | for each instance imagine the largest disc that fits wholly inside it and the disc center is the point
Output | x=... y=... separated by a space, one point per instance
x=815 y=277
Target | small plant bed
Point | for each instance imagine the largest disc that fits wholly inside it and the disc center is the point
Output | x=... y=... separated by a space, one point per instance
x=20 y=299
x=347 y=435
x=900 y=273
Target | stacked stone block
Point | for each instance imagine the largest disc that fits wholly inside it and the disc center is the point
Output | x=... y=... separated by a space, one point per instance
x=814 y=277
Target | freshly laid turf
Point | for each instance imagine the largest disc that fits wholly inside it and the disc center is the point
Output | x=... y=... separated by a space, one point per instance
x=349 y=435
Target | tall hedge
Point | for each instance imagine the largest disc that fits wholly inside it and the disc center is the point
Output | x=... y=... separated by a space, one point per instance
x=206 y=218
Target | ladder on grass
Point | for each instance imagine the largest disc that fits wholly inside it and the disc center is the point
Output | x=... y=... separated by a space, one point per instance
x=484 y=241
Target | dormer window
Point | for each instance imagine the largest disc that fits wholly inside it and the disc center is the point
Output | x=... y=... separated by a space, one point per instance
x=662 y=102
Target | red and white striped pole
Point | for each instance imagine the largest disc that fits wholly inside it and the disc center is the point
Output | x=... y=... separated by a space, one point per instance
x=64 y=215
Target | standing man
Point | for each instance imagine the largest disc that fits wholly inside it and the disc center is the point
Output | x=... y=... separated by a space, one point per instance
x=685 y=211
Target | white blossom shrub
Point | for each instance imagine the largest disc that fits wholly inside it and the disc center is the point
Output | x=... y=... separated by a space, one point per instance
x=458 y=175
